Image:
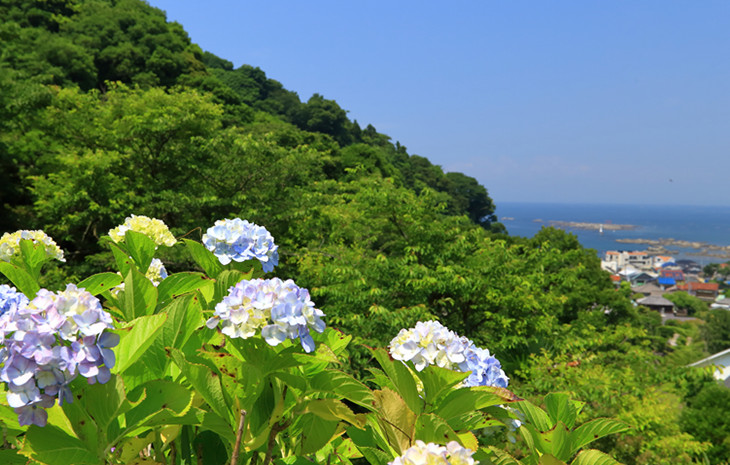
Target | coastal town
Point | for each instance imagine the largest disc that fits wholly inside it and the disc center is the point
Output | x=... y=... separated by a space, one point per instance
x=655 y=275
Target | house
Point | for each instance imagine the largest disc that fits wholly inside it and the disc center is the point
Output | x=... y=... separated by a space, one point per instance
x=648 y=289
x=660 y=260
x=658 y=303
x=705 y=291
x=666 y=283
x=642 y=278
x=674 y=272
x=721 y=362
x=721 y=303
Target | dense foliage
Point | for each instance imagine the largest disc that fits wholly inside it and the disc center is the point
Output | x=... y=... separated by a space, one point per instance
x=107 y=109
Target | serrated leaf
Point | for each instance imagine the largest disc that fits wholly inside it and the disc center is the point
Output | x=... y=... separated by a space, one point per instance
x=594 y=457
x=333 y=410
x=594 y=429
x=316 y=433
x=402 y=379
x=468 y=399
x=560 y=408
x=432 y=428
x=397 y=421
x=135 y=338
x=180 y=283
x=33 y=256
x=343 y=385
x=121 y=257
x=535 y=416
x=204 y=258
x=184 y=317
x=206 y=382
x=51 y=446
x=437 y=381
x=139 y=296
x=141 y=248
x=160 y=401
x=98 y=283
x=20 y=278
x=496 y=457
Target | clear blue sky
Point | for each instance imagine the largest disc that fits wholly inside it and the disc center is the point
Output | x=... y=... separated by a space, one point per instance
x=571 y=101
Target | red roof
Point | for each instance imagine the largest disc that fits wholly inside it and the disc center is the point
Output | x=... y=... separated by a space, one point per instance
x=615 y=277
x=699 y=286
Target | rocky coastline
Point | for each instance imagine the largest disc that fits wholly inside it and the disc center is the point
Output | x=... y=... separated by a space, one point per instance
x=702 y=249
x=589 y=226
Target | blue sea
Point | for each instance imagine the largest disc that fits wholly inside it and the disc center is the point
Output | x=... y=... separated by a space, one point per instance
x=710 y=224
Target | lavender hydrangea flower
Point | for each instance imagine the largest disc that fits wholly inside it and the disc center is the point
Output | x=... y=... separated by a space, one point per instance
x=47 y=343
x=238 y=240
x=431 y=343
x=279 y=309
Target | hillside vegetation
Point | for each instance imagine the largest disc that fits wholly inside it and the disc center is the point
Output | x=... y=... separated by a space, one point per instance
x=108 y=109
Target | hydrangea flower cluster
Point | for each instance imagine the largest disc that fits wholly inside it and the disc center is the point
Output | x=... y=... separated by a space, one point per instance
x=239 y=240
x=431 y=343
x=281 y=309
x=9 y=244
x=151 y=227
x=46 y=343
x=434 y=454
x=11 y=299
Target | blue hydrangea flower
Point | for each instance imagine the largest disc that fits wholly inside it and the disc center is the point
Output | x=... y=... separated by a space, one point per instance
x=279 y=309
x=238 y=240
x=10 y=298
x=431 y=343
x=46 y=343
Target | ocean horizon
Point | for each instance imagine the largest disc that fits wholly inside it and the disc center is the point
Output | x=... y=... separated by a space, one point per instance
x=706 y=224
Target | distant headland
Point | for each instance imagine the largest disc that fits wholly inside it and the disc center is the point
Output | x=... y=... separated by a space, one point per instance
x=589 y=226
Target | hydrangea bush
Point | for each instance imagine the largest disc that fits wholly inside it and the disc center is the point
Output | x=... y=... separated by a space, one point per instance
x=223 y=366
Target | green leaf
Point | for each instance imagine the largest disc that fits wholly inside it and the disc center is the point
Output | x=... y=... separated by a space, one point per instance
x=495 y=456
x=557 y=442
x=135 y=337
x=560 y=408
x=180 y=283
x=535 y=416
x=593 y=457
x=206 y=382
x=159 y=402
x=334 y=410
x=83 y=425
x=98 y=283
x=343 y=385
x=432 y=428
x=20 y=278
x=225 y=280
x=12 y=457
x=121 y=256
x=438 y=381
x=204 y=258
x=468 y=399
x=316 y=432
x=595 y=429
x=51 y=446
x=141 y=248
x=34 y=256
x=396 y=420
x=549 y=459
x=184 y=317
x=402 y=379
x=139 y=296
x=106 y=403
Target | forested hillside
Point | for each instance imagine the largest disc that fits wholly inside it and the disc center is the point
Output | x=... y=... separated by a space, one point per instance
x=107 y=110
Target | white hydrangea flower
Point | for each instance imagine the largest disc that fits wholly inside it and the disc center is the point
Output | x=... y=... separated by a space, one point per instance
x=431 y=343
x=434 y=454
x=151 y=227
x=9 y=244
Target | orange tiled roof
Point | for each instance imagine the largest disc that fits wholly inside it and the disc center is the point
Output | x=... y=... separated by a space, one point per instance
x=699 y=286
